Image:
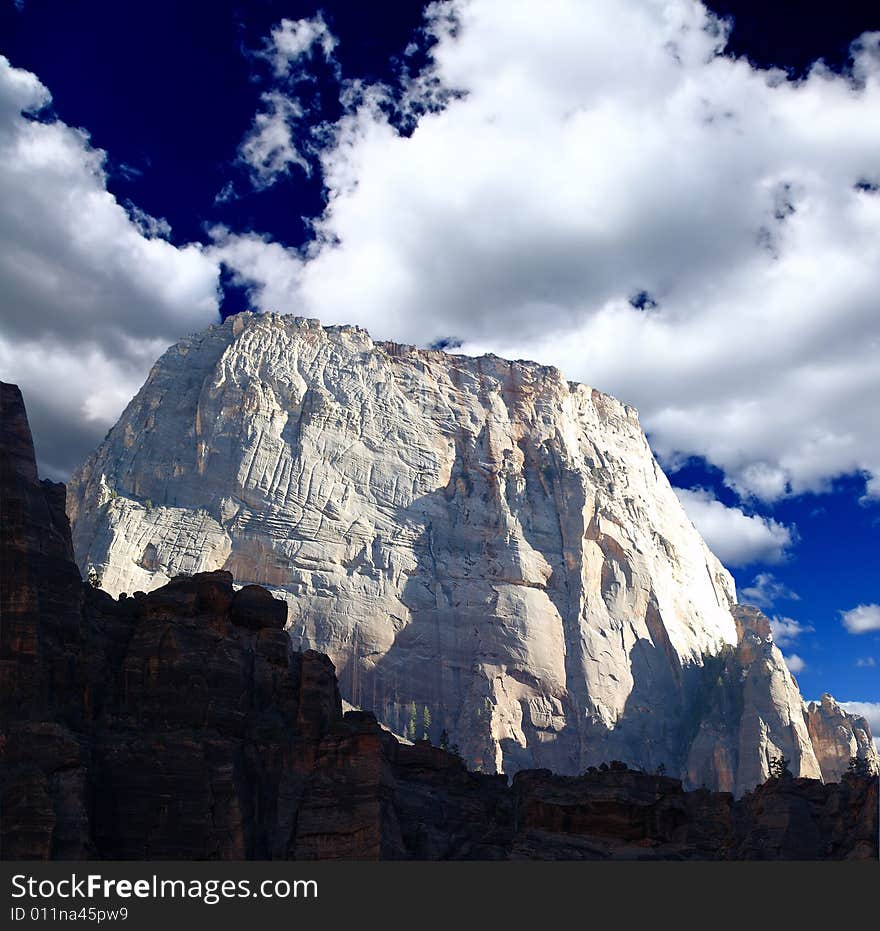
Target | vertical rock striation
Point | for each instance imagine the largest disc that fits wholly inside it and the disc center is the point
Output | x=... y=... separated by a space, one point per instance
x=482 y=547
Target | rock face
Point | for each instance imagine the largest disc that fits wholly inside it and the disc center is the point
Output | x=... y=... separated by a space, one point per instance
x=750 y=712
x=41 y=585
x=41 y=596
x=481 y=547
x=181 y=724
x=837 y=737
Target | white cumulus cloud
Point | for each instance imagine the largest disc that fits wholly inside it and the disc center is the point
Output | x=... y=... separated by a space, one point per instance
x=596 y=185
x=862 y=619
x=90 y=293
x=795 y=663
x=735 y=537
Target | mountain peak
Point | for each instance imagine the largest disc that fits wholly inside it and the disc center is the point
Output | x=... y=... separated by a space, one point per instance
x=482 y=547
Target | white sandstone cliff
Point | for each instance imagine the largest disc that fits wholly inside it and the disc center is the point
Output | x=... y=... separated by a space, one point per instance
x=481 y=546
x=837 y=737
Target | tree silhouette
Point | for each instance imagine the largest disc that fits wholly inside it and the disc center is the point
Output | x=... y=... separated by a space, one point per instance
x=859 y=766
x=778 y=767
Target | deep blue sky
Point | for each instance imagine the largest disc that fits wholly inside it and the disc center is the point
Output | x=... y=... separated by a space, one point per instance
x=169 y=90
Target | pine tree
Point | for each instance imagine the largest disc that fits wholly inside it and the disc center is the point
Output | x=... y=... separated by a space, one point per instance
x=778 y=767
x=413 y=719
x=859 y=766
x=426 y=723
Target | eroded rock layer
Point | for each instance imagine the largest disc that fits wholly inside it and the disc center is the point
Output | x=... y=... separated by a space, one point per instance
x=481 y=547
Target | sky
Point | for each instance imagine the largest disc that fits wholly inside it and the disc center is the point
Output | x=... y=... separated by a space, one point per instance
x=674 y=202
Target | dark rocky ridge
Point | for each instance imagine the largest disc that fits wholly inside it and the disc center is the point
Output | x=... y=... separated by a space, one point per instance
x=181 y=724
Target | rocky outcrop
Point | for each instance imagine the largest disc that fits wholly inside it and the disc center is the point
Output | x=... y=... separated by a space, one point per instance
x=619 y=814
x=181 y=724
x=41 y=590
x=752 y=713
x=838 y=737
x=41 y=594
x=481 y=547
x=156 y=726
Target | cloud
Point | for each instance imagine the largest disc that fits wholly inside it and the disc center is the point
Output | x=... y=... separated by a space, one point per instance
x=862 y=619
x=270 y=149
x=544 y=169
x=735 y=537
x=271 y=271
x=148 y=225
x=786 y=630
x=90 y=293
x=766 y=590
x=865 y=662
x=293 y=40
x=226 y=194
x=870 y=710
x=795 y=663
